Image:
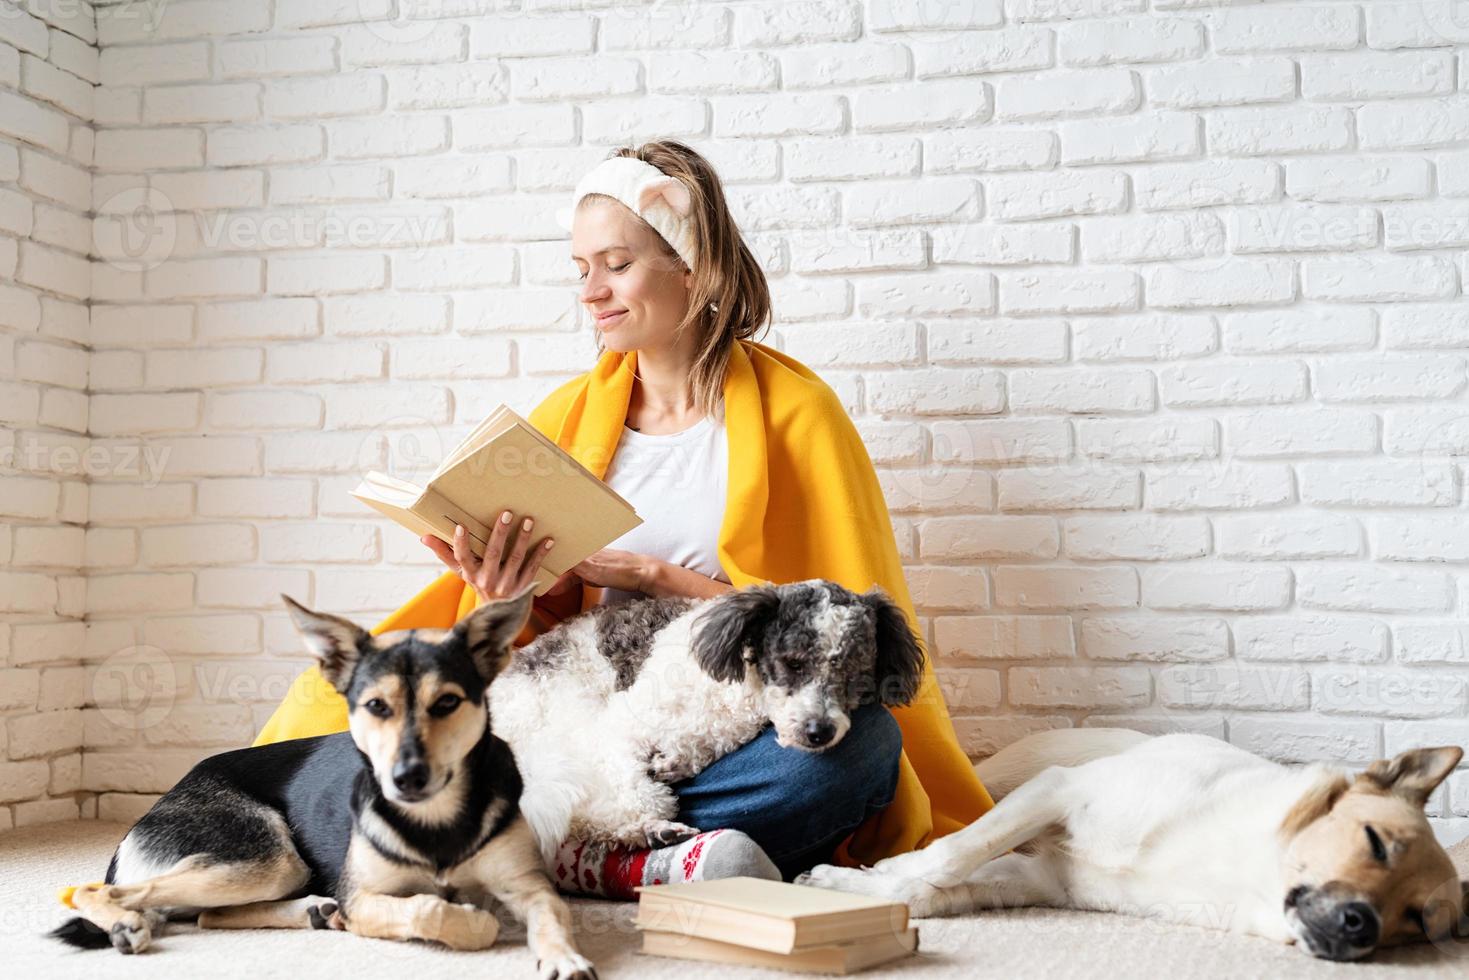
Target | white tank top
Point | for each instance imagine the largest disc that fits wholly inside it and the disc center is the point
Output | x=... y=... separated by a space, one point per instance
x=678 y=483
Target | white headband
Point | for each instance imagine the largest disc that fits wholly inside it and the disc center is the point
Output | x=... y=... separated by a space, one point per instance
x=660 y=200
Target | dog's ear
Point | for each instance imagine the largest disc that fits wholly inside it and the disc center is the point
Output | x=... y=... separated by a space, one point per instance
x=1313 y=805
x=489 y=632
x=899 y=668
x=730 y=623
x=1413 y=774
x=336 y=643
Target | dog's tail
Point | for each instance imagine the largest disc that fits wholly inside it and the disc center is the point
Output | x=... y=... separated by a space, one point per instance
x=554 y=787
x=1023 y=760
x=79 y=932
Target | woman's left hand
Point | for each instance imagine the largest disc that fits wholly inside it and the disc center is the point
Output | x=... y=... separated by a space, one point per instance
x=613 y=569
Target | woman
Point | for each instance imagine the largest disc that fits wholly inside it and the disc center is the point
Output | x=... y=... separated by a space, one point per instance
x=745 y=468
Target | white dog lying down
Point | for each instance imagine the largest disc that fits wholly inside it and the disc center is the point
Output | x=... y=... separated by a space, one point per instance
x=1193 y=830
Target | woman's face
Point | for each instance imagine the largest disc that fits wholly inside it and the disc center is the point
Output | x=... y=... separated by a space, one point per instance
x=635 y=291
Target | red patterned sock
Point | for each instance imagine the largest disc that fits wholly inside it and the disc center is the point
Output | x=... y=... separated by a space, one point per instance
x=614 y=872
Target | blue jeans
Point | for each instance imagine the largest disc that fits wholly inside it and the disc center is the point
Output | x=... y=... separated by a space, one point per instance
x=798 y=805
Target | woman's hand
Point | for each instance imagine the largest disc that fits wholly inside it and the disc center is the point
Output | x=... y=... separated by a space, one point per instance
x=643 y=573
x=613 y=569
x=497 y=574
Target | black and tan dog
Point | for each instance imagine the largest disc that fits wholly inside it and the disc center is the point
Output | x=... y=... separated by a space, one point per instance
x=411 y=821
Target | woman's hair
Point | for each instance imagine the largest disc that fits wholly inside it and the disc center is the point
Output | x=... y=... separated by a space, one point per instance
x=730 y=300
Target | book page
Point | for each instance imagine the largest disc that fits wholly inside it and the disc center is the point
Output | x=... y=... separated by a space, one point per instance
x=770 y=898
x=388 y=488
x=506 y=464
x=500 y=419
x=521 y=473
x=402 y=514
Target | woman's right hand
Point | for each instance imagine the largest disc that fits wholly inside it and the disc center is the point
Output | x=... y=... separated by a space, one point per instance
x=497 y=574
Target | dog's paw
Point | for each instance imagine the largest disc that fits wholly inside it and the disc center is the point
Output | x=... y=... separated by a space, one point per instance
x=459 y=925
x=130 y=933
x=327 y=915
x=833 y=877
x=480 y=915
x=670 y=768
x=667 y=771
x=568 y=966
x=664 y=833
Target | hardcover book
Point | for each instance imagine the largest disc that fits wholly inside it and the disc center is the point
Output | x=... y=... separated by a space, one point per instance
x=507 y=464
x=770 y=915
x=837 y=958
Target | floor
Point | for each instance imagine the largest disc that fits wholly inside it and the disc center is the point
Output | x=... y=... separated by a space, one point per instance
x=36 y=861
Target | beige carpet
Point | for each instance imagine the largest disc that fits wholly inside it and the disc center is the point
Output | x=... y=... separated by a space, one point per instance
x=35 y=861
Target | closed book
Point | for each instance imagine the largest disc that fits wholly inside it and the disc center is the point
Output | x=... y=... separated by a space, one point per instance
x=507 y=464
x=769 y=915
x=836 y=958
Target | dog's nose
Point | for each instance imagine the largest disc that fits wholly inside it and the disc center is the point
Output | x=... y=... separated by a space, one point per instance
x=819 y=732
x=1357 y=923
x=410 y=776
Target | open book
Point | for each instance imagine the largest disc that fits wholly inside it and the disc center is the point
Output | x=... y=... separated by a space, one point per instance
x=507 y=464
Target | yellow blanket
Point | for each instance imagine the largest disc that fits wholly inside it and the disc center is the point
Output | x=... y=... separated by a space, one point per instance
x=804 y=502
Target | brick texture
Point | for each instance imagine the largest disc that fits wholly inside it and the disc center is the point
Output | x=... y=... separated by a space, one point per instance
x=1152 y=317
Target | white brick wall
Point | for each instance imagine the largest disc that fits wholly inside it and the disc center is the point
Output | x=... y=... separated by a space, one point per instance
x=49 y=69
x=1152 y=317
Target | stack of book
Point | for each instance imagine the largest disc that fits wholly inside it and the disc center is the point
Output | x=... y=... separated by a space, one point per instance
x=754 y=922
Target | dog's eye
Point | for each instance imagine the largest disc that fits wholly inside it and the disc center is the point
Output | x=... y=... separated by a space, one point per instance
x=378 y=708
x=1379 y=852
x=445 y=705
